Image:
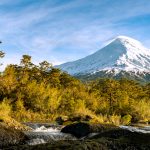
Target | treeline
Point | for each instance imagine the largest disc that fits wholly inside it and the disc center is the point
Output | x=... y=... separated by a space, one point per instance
x=30 y=92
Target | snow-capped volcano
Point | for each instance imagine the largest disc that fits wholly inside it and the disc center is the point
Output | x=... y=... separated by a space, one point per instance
x=121 y=54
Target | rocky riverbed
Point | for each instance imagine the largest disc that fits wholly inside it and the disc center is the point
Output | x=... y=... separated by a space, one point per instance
x=83 y=136
x=10 y=136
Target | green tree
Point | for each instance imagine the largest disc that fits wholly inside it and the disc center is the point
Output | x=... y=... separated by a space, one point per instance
x=26 y=61
x=45 y=66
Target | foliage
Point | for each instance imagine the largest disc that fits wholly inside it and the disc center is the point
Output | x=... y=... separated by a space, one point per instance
x=5 y=109
x=126 y=120
x=30 y=92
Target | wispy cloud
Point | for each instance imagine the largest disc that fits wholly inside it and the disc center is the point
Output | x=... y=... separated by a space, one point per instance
x=61 y=31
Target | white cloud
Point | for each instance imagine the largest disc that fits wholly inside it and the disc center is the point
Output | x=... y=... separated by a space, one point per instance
x=43 y=28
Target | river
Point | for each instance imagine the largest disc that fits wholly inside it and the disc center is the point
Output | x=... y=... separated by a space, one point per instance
x=43 y=133
x=48 y=133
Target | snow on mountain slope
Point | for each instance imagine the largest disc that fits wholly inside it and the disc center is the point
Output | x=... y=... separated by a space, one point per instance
x=121 y=54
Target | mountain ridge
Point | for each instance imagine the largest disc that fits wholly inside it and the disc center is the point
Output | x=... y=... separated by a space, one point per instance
x=121 y=54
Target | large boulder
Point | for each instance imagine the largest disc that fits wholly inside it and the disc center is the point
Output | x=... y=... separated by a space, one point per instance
x=77 y=129
x=125 y=136
x=83 y=129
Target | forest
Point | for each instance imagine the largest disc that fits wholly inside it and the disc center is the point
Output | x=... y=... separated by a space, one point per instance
x=34 y=93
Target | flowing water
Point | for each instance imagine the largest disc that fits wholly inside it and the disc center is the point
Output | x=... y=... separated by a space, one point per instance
x=145 y=129
x=43 y=133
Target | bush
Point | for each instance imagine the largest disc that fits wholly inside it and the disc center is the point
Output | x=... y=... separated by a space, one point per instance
x=141 y=111
x=114 y=119
x=5 y=109
x=126 y=120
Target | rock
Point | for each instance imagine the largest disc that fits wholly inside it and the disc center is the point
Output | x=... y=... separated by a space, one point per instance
x=77 y=129
x=80 y=118
x=60 y=120
x=10 y=136
x=113 y=133
x=67 y=120
x=125 y=136
x=109 y=138
x=82 y=129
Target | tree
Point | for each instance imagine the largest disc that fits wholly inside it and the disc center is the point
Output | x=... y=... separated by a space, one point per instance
x=45 y=66
x=67 y=80
x=26 y=61
x=106 y=89
x=2 y=54
x=54 y=76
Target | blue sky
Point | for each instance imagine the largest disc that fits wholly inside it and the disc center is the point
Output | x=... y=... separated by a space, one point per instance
x=64 y=30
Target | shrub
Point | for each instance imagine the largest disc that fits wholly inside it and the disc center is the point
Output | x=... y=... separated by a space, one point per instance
x=126 y=120
x=114 y=119
x=5 y=109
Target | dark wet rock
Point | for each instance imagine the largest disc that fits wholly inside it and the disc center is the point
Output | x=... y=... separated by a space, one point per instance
x=114 y=139
x=109 y=137
x=82 y=129
x=125 y=136
x=10 y=136
x=77 y=129
x=92 y=144
x=122 y=139
x=113 y=133
x=63 y=145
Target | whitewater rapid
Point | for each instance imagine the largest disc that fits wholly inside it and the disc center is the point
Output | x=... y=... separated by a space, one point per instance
x=44 y=134
x=145 y=129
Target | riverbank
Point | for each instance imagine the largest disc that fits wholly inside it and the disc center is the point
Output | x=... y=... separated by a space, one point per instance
x=106 y=137
x=11 y=133
x=10 y=136
x=114 y=140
